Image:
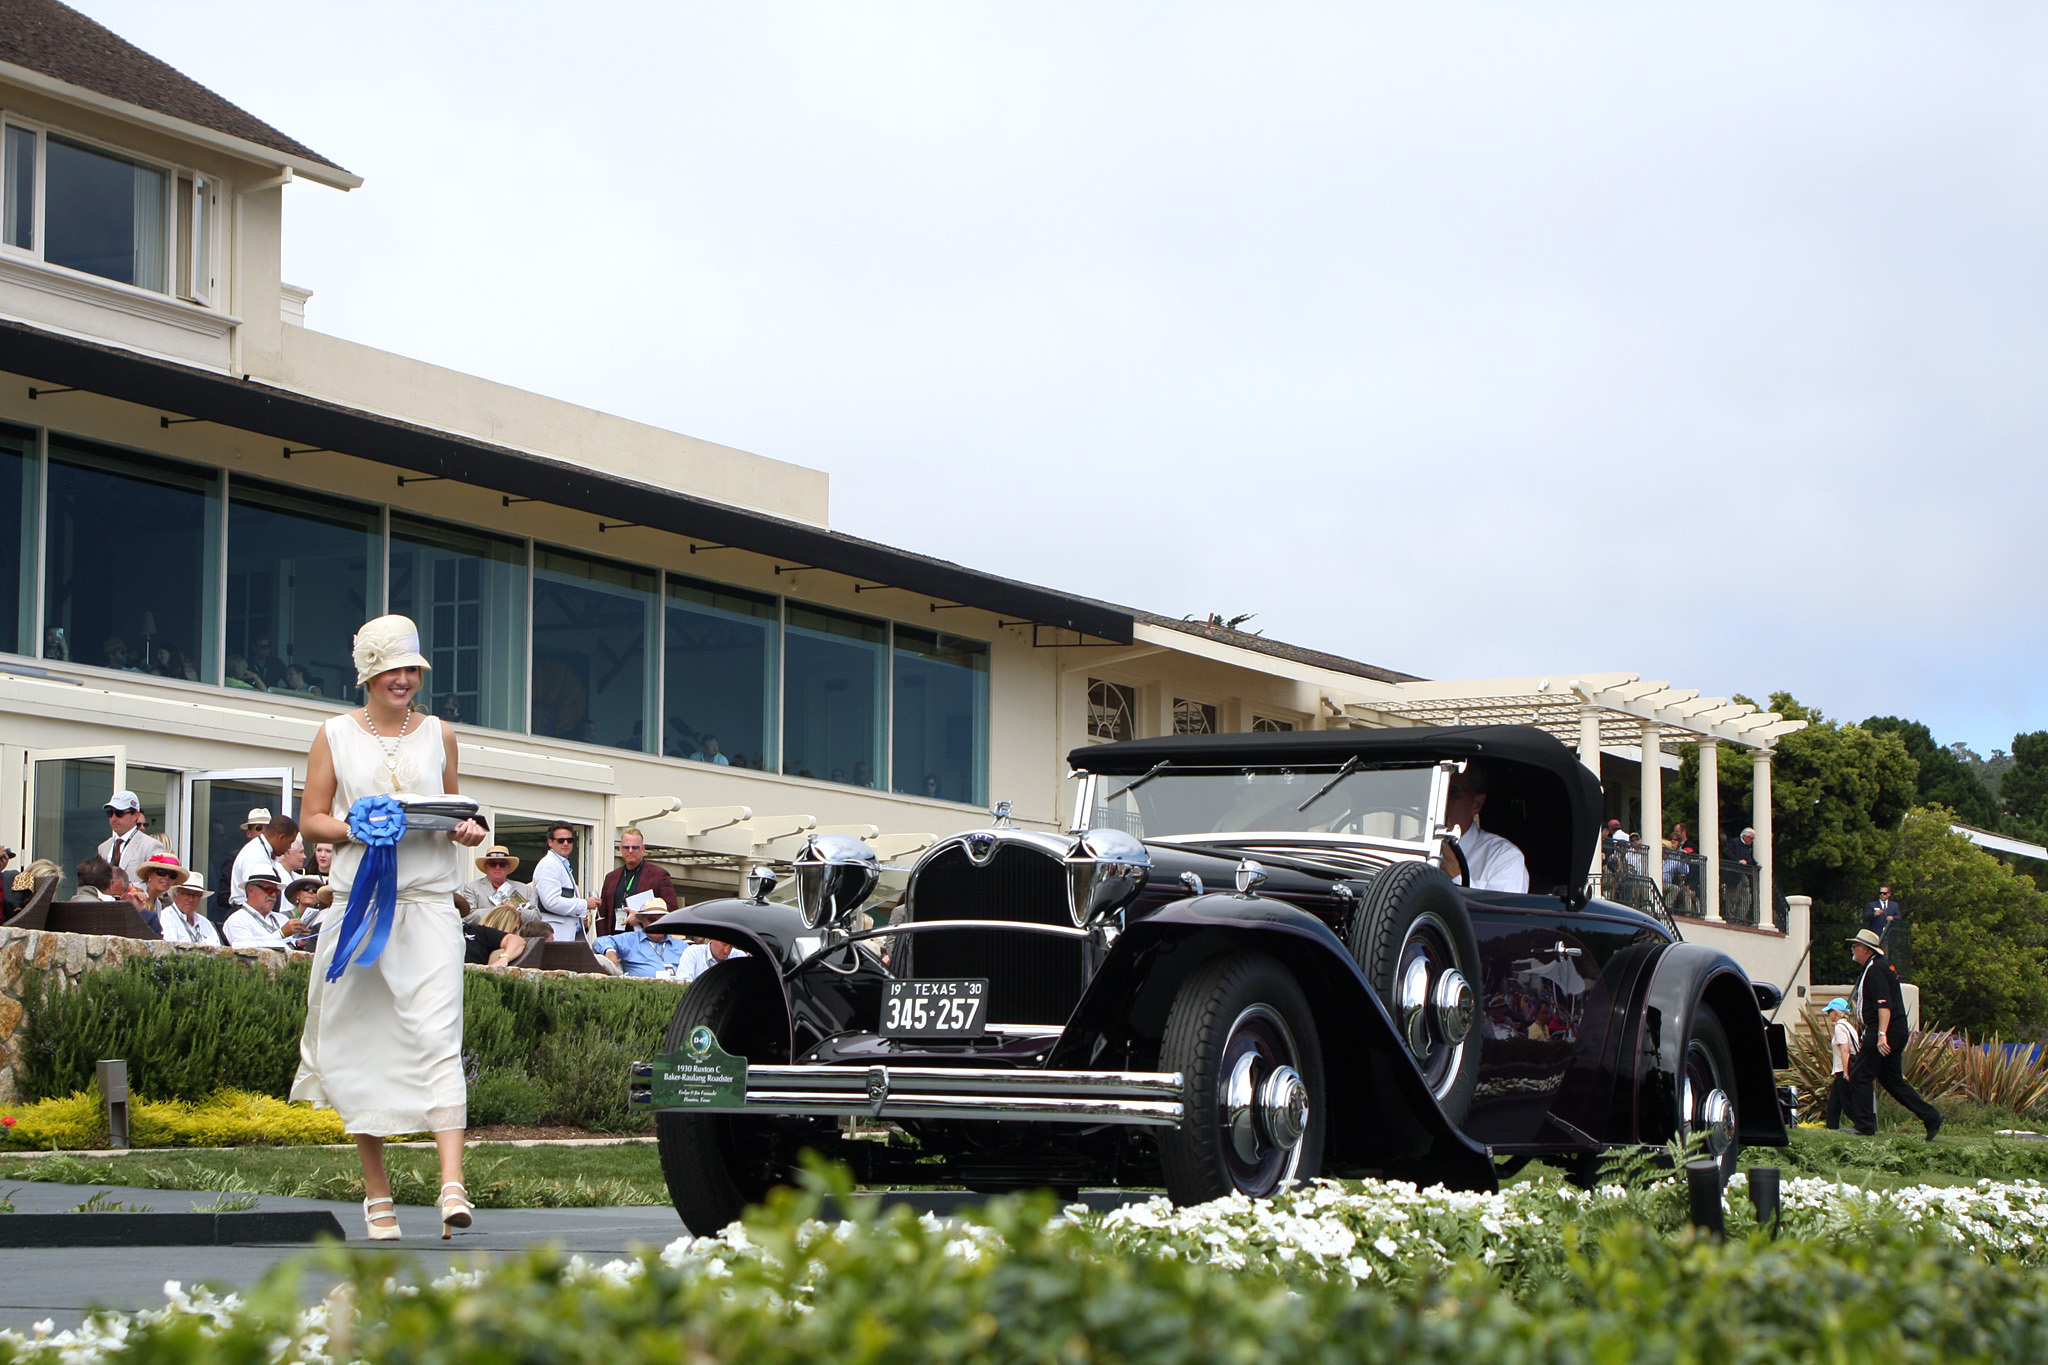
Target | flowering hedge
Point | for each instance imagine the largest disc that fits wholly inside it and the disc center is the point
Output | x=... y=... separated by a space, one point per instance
x=1382 y=1272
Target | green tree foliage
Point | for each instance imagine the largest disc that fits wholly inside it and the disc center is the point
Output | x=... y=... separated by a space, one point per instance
x=2025 y=785
x=1946 y=779
x=1980 y=931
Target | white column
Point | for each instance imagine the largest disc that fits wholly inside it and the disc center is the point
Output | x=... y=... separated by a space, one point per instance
x=1653 y=802
x=1710 y=826
x=1589 y=754
x=1760 y=798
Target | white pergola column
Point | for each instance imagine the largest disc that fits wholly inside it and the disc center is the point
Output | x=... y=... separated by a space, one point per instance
x=1653 y=801
x=1760 y=799
x=1710 y=826
x=1589 y=754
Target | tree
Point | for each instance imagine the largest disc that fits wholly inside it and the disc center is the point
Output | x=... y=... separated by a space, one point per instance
x=2025 y=784
x=1946 y=779
x=1979 y=930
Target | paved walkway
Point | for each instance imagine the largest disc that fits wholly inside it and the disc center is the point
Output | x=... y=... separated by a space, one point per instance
x=61 y=1284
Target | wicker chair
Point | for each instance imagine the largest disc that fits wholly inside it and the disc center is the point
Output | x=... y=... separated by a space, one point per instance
x=112 y=919
x=34 y=910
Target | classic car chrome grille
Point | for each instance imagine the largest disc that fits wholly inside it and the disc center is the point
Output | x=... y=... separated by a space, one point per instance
x=1032 y=979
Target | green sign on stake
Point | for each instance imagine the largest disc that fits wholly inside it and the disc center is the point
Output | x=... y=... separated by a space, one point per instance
x=699 y=1075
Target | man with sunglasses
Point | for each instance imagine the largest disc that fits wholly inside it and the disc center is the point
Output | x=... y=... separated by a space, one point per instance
x=554 y=886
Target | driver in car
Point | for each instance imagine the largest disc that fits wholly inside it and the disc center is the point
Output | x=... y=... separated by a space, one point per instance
x=1494 y=864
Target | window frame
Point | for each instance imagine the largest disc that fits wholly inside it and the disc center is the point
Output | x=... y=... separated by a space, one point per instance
x=201 y=209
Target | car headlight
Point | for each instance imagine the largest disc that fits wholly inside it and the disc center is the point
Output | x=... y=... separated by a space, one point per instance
x=834 y=874
x=1105 y=872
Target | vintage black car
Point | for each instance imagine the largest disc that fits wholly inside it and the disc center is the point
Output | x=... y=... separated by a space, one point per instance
x=1244 y=967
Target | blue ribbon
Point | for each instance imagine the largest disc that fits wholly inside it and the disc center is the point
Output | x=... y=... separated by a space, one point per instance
x=377 y=823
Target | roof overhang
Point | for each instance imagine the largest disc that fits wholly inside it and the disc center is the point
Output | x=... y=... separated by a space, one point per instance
x=2000 y=843
x=239 y=147
x=293 y=417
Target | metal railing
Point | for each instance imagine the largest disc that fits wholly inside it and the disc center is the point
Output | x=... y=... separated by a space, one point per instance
x=1678 y=888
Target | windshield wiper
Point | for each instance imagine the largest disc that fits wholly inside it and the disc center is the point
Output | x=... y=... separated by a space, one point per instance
x=1350 y=766
x=1157 y=768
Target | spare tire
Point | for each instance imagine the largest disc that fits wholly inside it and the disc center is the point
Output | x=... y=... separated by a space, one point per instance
x=1412 y=938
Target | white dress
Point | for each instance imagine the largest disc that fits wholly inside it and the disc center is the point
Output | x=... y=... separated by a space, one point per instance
x=383 y=1045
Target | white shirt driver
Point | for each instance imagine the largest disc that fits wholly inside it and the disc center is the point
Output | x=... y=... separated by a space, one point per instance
x=1494 y=863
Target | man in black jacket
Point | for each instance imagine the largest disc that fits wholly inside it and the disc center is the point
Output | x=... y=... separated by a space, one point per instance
x=1881 y=1004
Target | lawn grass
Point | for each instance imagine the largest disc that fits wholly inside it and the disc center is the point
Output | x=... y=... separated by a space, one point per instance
x=500 y=1176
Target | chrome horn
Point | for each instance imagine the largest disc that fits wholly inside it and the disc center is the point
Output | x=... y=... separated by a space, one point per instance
x=1105 y=872
x=834 y=874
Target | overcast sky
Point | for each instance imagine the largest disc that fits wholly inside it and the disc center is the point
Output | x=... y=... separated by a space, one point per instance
x=1705 y=342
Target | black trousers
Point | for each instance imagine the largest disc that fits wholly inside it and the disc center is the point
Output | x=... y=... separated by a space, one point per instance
x=1872 y=1065
x=1838 y=1099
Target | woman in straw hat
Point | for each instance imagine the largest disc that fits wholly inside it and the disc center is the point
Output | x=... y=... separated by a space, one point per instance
x=383 y=1038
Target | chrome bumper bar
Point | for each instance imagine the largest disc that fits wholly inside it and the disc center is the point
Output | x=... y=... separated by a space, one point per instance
x=1144 y=1098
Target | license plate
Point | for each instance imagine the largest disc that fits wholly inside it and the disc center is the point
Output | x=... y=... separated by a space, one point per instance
x=934 y=1009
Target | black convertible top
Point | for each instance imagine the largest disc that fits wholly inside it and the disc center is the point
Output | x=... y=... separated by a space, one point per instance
x=1541 y=796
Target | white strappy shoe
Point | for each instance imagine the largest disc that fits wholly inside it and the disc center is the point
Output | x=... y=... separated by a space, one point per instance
x=455 y=1208
x=382 y=1227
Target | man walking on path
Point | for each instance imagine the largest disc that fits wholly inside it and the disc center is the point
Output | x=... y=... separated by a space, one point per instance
x=1881 y=1004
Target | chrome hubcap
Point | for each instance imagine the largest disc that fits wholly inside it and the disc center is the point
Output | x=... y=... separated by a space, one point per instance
x=1434 y=1005
x=1264 y=1102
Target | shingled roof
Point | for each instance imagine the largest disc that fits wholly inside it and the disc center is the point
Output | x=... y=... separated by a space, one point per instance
x=57 y=41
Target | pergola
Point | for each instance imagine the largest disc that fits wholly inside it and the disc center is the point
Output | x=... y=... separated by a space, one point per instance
x=1607 y=710
x=731 y=839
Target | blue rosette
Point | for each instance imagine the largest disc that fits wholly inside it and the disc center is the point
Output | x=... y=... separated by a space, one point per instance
x=377 y=823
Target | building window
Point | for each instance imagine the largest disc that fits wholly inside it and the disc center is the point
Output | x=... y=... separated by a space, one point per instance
x=130 y=562
x=18 y=503
x=833 y=681
x=723 y=650
x=467 y=592
x=303 y=573
x=88 y=209
x=1267 y=725
x=1112 y=710
x=593 y=665
x=940 y=735
x=1193 y=717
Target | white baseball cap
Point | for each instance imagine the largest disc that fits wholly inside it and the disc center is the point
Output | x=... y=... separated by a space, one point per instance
x=123 y=801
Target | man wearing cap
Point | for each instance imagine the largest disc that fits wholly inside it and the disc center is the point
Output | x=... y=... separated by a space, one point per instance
x=636 y=876
x=263 y=853
x=1881 y=1003
x=1841 y=1056
x=186 y=921
x=638 y=951
x=496 y=886
x=158 y=876
x=259 y=923
x=128 y=846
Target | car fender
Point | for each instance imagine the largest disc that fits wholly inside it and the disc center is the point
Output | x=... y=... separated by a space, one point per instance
x=1382 y=1118
x=1685 y=976
x=768 y=932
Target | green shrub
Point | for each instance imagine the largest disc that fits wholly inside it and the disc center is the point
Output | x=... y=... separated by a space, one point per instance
x=195 y=1024
x=498 y=1098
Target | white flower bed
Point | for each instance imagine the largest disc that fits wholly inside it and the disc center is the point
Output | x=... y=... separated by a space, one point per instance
x=1371 y=1231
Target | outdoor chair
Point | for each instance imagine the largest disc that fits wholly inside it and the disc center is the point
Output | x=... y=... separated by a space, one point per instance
x=33 y=911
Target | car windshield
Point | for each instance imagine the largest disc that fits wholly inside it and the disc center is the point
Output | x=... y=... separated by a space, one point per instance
x=1378 y=803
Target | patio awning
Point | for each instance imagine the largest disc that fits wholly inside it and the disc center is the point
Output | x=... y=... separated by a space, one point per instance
x=1621 y=703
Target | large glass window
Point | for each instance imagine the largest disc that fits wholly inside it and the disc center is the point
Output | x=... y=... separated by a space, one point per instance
x=940 y=736
x=105 y=215
x=18 y=199
x=129 y=562
x=302 y=575
x=723 y=645
x=18 y=503
x=832 y=691
x=593 y=661
x=467 y=591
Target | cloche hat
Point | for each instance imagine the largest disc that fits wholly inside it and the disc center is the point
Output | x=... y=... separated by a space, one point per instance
x=384 y=644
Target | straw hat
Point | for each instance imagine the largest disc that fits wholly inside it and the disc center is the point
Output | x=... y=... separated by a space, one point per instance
x=192 y=883
x=1869 y=939
x=498 y=853
x=384 y=644
x=165 y=862
x=257 y=818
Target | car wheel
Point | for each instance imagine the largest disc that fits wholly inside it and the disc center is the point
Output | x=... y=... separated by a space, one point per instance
x=1413 y=940
x=716 y=1164
x=1706 y=1092
x=1242 y=1038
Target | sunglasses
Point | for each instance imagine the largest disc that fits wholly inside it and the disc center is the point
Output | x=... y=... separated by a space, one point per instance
x=565 y=839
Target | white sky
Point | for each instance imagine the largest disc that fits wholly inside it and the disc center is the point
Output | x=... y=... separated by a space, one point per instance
x=1701 y=341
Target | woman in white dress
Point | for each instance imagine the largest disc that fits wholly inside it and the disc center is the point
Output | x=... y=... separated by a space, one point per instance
x=383 y=1042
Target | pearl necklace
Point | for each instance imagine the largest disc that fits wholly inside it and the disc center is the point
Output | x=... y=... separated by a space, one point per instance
x=389 y=746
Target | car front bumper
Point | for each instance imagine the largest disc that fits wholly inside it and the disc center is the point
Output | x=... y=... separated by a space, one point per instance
x=1137 y=1098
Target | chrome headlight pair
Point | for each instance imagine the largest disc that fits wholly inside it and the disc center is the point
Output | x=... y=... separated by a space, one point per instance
x=1105 y=872
x=835 y=873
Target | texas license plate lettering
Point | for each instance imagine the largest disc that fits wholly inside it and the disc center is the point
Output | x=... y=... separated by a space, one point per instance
x=934 y=1009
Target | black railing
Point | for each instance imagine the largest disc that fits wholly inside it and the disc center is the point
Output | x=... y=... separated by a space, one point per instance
x=1679 y=884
